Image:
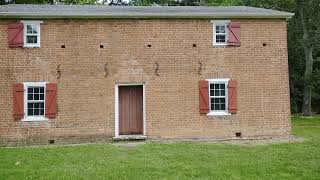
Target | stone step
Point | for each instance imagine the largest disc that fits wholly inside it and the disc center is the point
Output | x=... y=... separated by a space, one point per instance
x=129 y=138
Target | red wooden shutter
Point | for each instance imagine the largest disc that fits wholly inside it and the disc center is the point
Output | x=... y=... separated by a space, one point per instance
x=234 y=34
x=232 y=96
x=18 y=108
x=51 y=100
x=15 y=34
x=203 y=96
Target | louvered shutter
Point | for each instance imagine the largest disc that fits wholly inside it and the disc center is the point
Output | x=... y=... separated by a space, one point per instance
x=15 y=34
x=51 y=100
x=234 y=35
x=232 y=96
x=203 y=96
x=18 y=99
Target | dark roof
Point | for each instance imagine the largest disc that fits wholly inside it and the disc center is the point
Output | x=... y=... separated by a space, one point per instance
x=104 y=11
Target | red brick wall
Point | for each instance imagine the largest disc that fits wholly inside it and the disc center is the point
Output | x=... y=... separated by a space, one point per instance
x=86 y=97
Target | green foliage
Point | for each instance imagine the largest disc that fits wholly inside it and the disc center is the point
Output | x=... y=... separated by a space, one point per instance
x=295 y=160
x=282 y=5
x=153 y=2
x=224 y=2
x=29 y=1
x=80 y=2
x=187 y=2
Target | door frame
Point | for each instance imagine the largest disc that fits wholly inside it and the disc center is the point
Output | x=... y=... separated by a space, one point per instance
x=116 y=107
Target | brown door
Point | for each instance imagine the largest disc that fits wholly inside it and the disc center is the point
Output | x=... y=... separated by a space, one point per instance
x=130 y=110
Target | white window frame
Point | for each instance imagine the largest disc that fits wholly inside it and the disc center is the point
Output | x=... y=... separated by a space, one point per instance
x=218 y=112
x=219 y=23
x=33 y=118
x=37 y=25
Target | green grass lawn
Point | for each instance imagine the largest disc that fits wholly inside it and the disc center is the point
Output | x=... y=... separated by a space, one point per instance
x=299 y=160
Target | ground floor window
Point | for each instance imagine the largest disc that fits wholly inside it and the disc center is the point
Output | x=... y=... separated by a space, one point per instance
x=34 y=103
x=218 y=96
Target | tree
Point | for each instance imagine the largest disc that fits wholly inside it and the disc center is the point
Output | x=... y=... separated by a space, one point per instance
x=303 y=45
x=308 y=49
x=81 y=2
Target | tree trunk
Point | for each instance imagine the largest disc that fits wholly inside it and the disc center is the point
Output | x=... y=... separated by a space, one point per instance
x=306 y=106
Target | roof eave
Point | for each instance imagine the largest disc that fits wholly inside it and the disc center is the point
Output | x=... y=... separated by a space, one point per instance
x=44 y=16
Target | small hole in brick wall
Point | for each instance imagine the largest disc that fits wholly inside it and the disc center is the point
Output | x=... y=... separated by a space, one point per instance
x=264 y=44
x=51 y=141
x=238 y=134
x=194 y=45
x=63 y=46
x=149 y=45
x=101 y=45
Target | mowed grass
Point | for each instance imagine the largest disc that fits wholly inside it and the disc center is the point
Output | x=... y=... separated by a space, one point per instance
x=298 y=160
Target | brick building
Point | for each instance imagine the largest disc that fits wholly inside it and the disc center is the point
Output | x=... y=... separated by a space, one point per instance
x=73 y=74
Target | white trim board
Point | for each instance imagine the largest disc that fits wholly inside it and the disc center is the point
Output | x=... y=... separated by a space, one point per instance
x=116 y=107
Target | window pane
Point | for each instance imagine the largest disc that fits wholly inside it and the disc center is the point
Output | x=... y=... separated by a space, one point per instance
x=30 y=105
x=222 y=100
x=41 y=96
x=211 y=93
x=223 y=106
x=36 y=96
x=220 y=29
x=223 y=92
x=41 y=105
x=220 y=38
x=30 y=90
x=216 y=86
x=212 y=103
x=34 y=30
x=41 y=89
x=222 y=86
x=211 y=86
x=36 y=90
x=36 y=105
x=30 y=97
x=36 y=112
x=216 y=93
x=30 y=112
x=41 y=111
x=216 y=107
x=29 y=29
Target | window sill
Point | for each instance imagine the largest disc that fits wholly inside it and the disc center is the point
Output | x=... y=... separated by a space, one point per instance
x=33 y=119
x=220 y=45
x=31 y=46
x=218 y=114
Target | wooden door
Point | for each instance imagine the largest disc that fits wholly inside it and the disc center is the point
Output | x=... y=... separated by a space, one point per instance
x=130 y=110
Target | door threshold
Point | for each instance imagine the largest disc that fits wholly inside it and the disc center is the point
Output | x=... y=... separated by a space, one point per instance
x=129 y=137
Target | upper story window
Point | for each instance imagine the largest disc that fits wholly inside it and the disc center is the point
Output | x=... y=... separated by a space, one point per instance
x=31 y=33
x=220 y=32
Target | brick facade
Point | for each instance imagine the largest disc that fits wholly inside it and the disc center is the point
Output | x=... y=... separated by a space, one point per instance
x=86 y=110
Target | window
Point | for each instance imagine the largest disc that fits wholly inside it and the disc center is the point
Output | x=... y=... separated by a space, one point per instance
x=31 y=33
x=218 y=96
x=34 y=103
x=220 y=32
